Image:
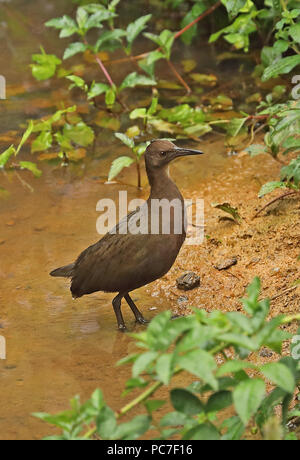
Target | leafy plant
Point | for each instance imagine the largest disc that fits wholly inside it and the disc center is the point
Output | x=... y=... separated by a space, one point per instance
x=124 y=161
x=192 y=344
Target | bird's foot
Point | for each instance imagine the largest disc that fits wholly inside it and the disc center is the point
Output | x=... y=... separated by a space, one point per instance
x=122 y=328
x=142 y=320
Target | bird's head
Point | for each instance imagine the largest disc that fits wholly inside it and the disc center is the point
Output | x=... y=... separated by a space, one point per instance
x=161 y=152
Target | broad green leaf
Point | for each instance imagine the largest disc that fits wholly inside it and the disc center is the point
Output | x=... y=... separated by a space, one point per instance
x=138 y=113
x=66 y=24
x=270 y=187
x=97 y=89
x=74 y=48
x=125 y=139
x=136 y=27
x=134 y=429
x=164 y=368
x=42 y=142
x=226 y=207
x=153 y=405
x=106 y=423
x=45 y=65
x=233 y=7
x=174 y=419
x=80 y=134
x=5 y=156
x=292 y=172
x=201 y=364
x=134 y=79
x=235 y=125
x=233 y=366
x=219 y=401
x=117 y=166
x=31 y=167
x=186 y=402
x=78 y=82
x=203 y=432
x=280 y=375
x=109 y=36
x=294 y=32
x=256 y=149
x=283 y=66
x=143 y=361
x=235 y=429
x=194 y=12
x=247 y=397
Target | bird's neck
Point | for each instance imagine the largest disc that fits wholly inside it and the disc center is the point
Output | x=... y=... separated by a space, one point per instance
x=162 y=186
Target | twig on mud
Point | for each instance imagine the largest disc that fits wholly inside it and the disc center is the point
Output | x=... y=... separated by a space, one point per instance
x=274 y=201
x=284 y=292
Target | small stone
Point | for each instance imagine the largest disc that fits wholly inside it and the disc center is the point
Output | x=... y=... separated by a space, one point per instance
x=182 y=300
x=188 y=281
x=227 y=263
x=152 y=309
x=265 y=353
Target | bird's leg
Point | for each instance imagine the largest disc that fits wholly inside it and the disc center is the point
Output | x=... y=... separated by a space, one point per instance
x=117 y=308
x=138 y=315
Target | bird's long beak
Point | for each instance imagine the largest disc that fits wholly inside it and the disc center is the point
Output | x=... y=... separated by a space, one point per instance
x=185 y=152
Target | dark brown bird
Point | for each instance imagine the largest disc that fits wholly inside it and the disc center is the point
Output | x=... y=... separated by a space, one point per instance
x=143 y=246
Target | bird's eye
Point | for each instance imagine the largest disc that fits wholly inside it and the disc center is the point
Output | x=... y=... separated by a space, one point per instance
x=163 y=154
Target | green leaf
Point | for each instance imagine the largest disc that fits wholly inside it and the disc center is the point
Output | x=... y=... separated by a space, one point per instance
x=66 y=24
x=164 y=368
x=235 y=429
x=143 y=362
x=233 y=7
x=138 y=113
x=80 y=134
x=203 y=432
x=117 y=166
x=294 y=32
x=109 y=37
x=31 y=167
x=226 y=207
x=281 y=375
x=256 y=149
x=186 y=402
x=247 y=397
x=106 y=423
x=45 y=66
x=42 y=142
x=219 y=401
x=174 y=419
x=201 y=364
x=134 y=429
x=292 y=172
x=110 y=97
x=25 y=136
x=97 y=89
x=153 y=405
x=283 y=66
x=77 y=82
x=136 y=27
x=233 y=366
x=194 y=12
x=270 y=187
x=235 y=125
x=5 y=156
x=74 y=48
x=134 y=79
x=125 y=139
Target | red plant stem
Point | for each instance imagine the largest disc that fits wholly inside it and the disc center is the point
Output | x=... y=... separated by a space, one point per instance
x=199 y=18
x=275 y=200
x=103 y=68
x=179 y=77
x=180 y=32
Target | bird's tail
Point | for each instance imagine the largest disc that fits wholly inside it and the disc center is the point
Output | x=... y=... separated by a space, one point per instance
x=63 y=272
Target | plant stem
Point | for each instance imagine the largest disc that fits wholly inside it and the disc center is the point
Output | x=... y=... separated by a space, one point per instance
x=138 y=168
x=199 y=18
x=104 y=70
x=141 y=398
x=290 y=319
x=178 y=34
x=274 y=201
x=179 y=77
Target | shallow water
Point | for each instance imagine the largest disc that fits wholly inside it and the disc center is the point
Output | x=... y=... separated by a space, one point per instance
x=57 y=348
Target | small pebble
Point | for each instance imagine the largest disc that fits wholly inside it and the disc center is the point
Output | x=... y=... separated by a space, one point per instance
x=152 y=309
x=227 y=263
x=265 y=353
x=182 y=300
x=188 y=281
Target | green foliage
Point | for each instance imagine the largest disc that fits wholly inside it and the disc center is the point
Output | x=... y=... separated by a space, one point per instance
x=44 y=66
x=192 y=344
